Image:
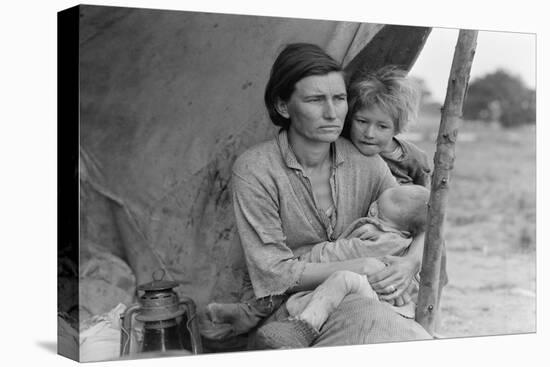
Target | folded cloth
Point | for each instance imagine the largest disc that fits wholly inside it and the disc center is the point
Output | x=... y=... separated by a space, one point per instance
x=100 y=336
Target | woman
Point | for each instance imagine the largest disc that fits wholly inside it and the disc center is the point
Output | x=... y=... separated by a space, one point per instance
x=305 y=187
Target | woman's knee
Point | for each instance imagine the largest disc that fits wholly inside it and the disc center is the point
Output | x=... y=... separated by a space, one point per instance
x=360 y=320
x=362 y=305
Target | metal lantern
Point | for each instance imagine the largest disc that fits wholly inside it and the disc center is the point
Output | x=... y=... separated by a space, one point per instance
x=169 y=323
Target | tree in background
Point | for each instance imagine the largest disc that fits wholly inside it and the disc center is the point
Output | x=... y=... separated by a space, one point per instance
x=425 y=93
x=502 y=97
x=428 y=107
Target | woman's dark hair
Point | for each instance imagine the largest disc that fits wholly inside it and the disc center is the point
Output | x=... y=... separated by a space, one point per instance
x=295 y=62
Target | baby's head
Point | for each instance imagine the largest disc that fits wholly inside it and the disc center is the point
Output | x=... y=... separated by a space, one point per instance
x=381 y=104
x=403 y=208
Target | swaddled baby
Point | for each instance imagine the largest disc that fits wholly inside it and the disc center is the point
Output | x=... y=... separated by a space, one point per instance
x=391 y=222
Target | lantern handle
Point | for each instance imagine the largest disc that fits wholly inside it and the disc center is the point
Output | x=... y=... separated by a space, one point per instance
x=126 y=329
x=192 y=324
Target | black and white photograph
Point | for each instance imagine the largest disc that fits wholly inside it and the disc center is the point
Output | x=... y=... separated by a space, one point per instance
x=235 y=181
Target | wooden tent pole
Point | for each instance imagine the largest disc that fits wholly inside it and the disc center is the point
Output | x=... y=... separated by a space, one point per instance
x=451 y=115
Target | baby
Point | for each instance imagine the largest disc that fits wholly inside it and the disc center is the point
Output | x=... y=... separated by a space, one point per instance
x=398 y=215
x=392 y=220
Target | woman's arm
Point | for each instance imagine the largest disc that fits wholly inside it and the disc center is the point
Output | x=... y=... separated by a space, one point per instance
x=272 y=266
x=399 y=272
x=367 y=244
x=270 y=262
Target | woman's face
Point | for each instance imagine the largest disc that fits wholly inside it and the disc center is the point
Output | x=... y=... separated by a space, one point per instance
x=372 y=130
x=317 y=108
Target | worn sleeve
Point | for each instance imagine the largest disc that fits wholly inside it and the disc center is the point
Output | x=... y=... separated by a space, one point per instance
x=272 y=267
x=369 y=245
x=422 y=171
x=362 y=238
x=420 y=167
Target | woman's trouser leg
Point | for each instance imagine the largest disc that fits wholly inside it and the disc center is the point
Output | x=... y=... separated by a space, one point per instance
x=360 y=320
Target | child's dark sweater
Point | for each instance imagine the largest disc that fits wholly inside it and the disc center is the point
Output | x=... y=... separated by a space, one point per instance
x=412 y=167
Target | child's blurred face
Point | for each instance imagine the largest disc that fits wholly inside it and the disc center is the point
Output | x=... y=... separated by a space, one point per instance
x=372 y=130
x=385 y=210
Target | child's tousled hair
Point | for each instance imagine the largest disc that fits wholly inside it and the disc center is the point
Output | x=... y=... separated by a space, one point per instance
x=387 y=88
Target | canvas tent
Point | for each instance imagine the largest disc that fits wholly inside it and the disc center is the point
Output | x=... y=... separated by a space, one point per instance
x=168 y=100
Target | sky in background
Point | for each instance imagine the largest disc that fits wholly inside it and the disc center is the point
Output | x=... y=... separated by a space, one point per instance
x=514 y=52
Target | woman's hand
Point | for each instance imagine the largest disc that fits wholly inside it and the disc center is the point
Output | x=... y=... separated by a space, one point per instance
x=401 y=300
x=368 y=266
x=394 y=279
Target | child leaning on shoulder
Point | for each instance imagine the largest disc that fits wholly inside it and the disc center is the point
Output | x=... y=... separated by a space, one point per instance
x=382 y=103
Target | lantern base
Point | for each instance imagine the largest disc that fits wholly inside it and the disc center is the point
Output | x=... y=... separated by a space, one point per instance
x=160 y=338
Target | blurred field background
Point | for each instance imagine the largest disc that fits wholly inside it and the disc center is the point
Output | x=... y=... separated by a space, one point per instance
x=490 y=227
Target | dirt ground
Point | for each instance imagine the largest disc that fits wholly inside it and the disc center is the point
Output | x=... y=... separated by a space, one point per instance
x=487 y=295
x=490 y=230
